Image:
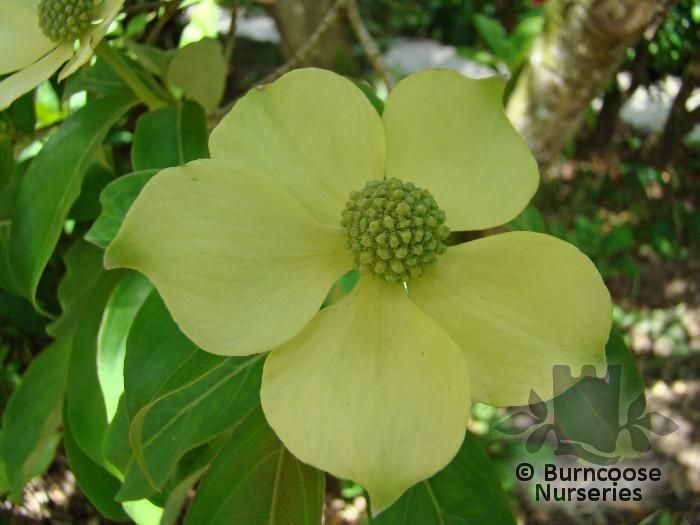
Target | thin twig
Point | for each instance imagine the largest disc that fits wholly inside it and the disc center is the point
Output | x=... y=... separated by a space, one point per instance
x=370 y=47
x=301 y=54
x=231 y=35
x=170 y=11
x=147 y=6
x=368 y=44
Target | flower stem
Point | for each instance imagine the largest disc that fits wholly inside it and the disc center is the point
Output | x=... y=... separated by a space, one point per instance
x=129 y=76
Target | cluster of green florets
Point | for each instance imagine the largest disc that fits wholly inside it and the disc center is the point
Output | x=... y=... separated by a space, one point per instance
x=395 y=230
x=65 y=20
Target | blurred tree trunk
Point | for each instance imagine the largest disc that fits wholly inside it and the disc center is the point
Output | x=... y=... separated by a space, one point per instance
x=582 y=46
x=297 y=20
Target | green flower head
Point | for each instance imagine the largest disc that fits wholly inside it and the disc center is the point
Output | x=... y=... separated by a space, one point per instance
x=307 y=181
x=38 y=36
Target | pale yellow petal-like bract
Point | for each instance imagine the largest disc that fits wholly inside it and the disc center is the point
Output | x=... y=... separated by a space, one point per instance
x=449 y=134
x=240 y=264
x=312 y=130
x=30 y=77
x=21 y=40
x=372 y=390
x=518 y=304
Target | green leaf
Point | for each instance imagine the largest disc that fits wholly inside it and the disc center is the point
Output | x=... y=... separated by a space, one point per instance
x=170 y=136
x=83 y=263
x=257 y=480
x=120 y=458
x=119 y=313
x=178 y=496
x=98 y=485
x=529 y=219
x=189 y=471
x=10 y=177
x=465 y=492
x=87 y=207
x=143 y=512
x=135 y=486
x=51 y=186
x=85 y=406
x=5 y=483
x=100 y=79
x=179 y=397
x=19 y=312
x=33 y=416
x=199 y=69
x=495 y=36
x=377 y=102
x=7 y=280
x=116 y=199
x=153 y=335
x=23 y=113
x=153 y=59
x=592 y=410
x=617 y=353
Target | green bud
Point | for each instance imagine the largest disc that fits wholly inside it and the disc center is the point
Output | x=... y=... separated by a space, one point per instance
x=65 y=20
x=395 y=230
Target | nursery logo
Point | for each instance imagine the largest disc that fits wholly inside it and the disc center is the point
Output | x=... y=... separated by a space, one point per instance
x=586 y=420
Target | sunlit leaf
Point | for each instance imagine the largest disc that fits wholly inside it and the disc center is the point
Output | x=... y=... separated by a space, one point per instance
x=199 y=69
x=116 y=199
x=119 y=313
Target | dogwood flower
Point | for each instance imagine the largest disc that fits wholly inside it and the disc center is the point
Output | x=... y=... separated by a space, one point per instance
x=38 y=36
x=308 y=181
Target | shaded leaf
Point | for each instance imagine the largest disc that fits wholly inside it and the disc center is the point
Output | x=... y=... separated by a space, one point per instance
x=120 y=458
x=98 y=485
x=51 y=186
x=189 y=397
x=100 y=79
x=170 y=136
x=32 y=418
x=465 y=492
x=257 y=480
x=592 y=410
x=83 y=268
x=85 y=406
x=87 y=207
